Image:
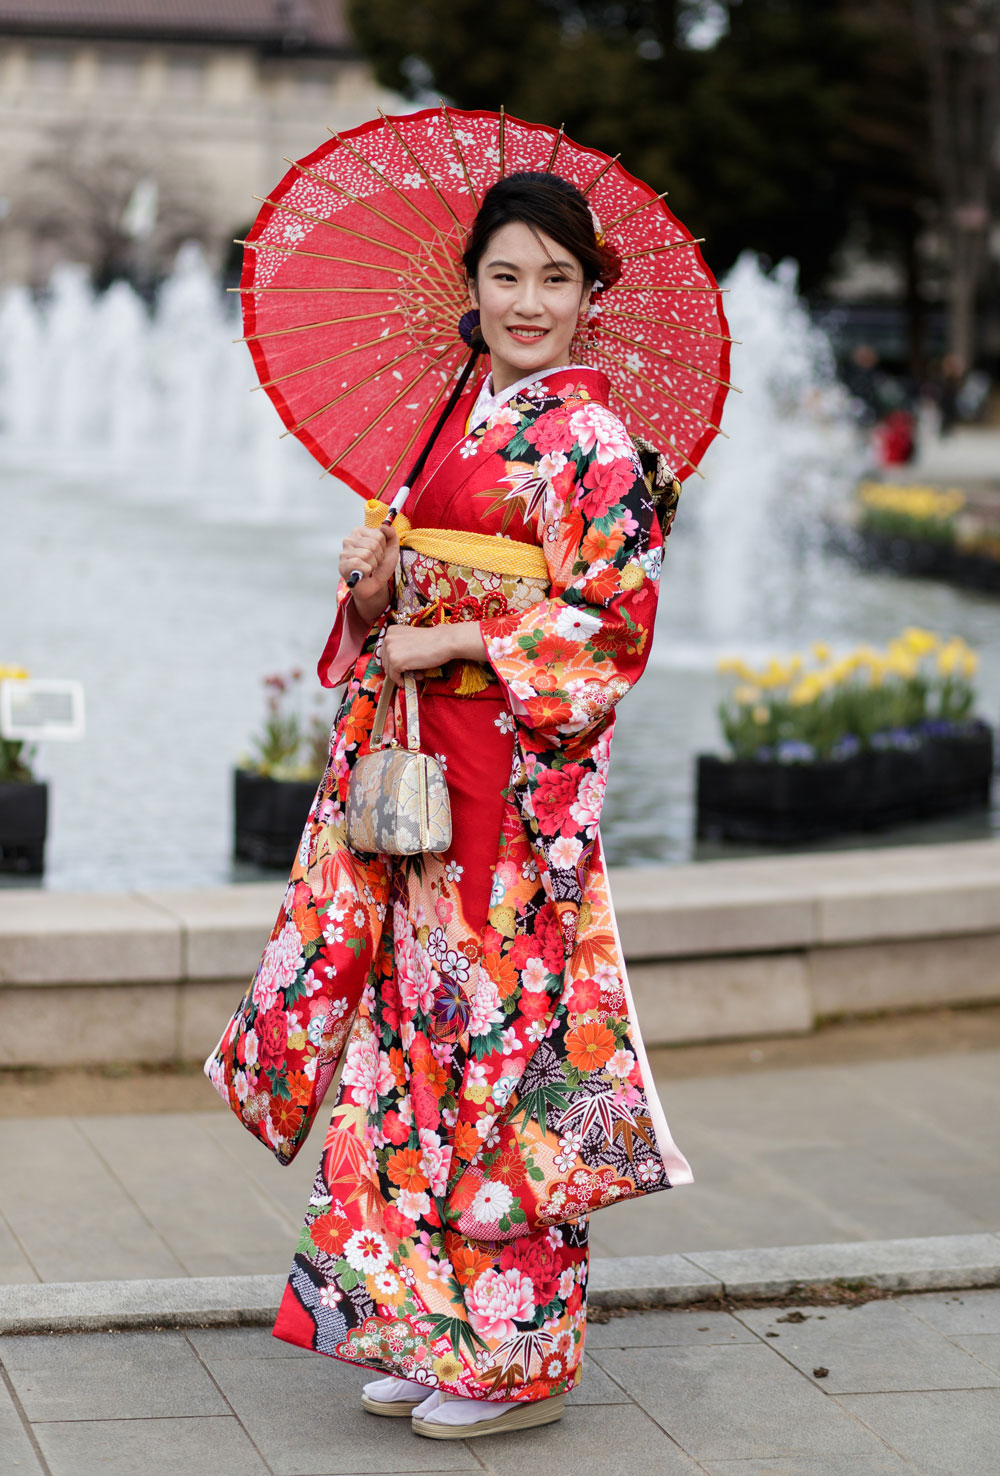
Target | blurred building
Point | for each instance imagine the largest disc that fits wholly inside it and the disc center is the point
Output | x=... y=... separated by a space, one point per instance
x=127 y=126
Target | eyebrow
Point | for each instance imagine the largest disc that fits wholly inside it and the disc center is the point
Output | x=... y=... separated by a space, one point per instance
x=565 y=266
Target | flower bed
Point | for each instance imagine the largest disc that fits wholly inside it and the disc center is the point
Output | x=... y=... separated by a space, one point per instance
x=274 y=786
x=924 y=532
x=24 y=802
x=865 y=741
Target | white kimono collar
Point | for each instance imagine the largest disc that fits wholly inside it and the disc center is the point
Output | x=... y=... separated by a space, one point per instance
x=487 y=402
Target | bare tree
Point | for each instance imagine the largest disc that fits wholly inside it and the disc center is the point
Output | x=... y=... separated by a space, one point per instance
x=76 y=191
x=961 y=44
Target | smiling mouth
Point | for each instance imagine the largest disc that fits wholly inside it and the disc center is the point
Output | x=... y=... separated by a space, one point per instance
x=527 y=335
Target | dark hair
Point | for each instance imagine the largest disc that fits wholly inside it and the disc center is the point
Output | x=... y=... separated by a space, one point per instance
x=543 y=202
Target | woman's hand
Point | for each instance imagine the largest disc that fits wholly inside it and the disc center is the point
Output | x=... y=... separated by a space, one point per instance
x=375 y=551
x=422 y=647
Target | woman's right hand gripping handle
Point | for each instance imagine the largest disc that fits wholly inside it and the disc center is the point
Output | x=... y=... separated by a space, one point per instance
x=375 y=551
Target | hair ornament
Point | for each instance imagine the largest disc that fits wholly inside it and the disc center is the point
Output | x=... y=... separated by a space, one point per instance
x=469 y=330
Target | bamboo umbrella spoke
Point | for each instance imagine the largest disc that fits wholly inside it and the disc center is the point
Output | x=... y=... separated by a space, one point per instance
x=555 y=149
x=355 y=348
x=383 y=179
x=461 y=157
x=326 y=323
x=338 y=189
x=411 y=155
x=334 y=225
x=665 y=323
x=648 y=348
x=585 y=190
x=660 y=390
x=669 y=246
x=659 y=430
x=370 y=425
x=653 y=200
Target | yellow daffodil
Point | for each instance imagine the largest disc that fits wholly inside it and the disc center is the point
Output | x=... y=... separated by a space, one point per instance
x=820 y=650
x=761 y=714
x=747 y=694
x=13 y=674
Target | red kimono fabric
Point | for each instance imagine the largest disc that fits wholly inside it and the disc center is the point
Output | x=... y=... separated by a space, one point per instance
x=495 y=1090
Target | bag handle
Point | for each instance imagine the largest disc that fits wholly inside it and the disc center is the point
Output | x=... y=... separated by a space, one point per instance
x=412 y=718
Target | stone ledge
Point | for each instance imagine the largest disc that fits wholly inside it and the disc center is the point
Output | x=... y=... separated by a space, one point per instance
x=933 y=1263
x=758 y=906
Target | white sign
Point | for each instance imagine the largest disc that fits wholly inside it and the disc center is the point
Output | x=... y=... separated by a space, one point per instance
x=38 y=710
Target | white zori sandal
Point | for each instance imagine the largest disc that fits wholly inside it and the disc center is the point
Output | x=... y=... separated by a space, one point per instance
x=448 y=1417
x=393 y=1397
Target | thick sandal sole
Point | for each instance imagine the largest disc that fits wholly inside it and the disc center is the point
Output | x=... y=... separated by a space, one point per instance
x=526 y=1417
x=398 y=1410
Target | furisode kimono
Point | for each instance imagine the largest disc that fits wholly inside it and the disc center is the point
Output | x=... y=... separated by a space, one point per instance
x=494 y=1089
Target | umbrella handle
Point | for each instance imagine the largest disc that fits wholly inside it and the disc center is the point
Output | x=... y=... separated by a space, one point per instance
x=387 y=522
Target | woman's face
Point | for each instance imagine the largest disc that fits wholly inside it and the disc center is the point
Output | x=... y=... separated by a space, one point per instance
x=530 y=292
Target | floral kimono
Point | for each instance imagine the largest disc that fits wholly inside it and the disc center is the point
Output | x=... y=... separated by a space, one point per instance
x=495 y=1089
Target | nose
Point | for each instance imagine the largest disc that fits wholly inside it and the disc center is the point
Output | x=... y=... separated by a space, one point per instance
x=528 y=303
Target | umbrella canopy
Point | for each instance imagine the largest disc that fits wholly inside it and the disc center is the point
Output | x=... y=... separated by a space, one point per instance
x=353 y=289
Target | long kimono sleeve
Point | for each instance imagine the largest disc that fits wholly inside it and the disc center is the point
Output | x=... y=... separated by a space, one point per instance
x=345 y=641
x=566 y=661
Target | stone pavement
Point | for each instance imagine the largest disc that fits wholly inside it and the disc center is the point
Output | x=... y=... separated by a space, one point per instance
x=783 y=1154
x=912 y=1388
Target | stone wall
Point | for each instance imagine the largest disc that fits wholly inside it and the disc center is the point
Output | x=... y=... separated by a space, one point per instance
x=716 y=950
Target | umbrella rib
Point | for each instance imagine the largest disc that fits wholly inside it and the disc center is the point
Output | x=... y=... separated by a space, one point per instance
x=384 y=179
x=346 y=394
x=600 y=175
x=666 y=323
x=365 y=204
x=637 y=374
x=390 y=474
x=334 y=225
x=344 y=354
x=555 y=148
x=326 y=323
x=265 y=291
x=659 y=431
x=461 y=156
x=654 y=200
x=366 y=430
x=670 y=246
x=661 y=287
x=501 y=140
x=662 y=354
x=374 y=266
x=441 y=199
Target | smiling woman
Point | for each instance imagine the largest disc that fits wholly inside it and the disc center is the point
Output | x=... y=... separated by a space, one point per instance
x=495 y=1089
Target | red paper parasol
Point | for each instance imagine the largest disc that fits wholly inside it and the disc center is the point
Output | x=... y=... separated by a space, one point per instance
x=353 y=289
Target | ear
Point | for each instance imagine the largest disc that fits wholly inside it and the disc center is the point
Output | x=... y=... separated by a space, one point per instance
x=473 y=292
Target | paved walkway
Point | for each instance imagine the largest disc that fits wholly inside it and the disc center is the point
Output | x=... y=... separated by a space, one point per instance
x=912 y=1388
x=782 y=1154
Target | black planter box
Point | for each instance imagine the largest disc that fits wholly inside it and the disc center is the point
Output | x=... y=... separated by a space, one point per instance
x=918 y=557
x=769 y=802
x=24 y=814
x=270 y=815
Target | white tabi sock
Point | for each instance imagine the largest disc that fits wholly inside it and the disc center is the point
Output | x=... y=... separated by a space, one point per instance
x=394 y=1391
x=451 y=1410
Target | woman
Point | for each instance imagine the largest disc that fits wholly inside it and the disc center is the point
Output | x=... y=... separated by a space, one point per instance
x=494 y=1089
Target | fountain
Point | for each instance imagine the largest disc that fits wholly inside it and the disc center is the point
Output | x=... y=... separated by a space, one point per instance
x=172 y=548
